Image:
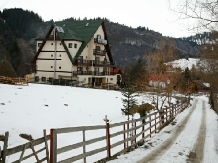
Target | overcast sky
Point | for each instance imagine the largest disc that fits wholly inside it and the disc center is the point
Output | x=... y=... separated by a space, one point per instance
x=153 y=14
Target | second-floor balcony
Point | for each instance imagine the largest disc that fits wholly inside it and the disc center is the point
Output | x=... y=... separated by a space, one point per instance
x=103 y=63
x=99 y=52
x=94 y=73
x=84 y=62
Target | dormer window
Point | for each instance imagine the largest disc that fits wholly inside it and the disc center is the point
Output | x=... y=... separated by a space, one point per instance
x=98 y=36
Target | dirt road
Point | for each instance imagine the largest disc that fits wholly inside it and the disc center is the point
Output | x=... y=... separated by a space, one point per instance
x=182 y=133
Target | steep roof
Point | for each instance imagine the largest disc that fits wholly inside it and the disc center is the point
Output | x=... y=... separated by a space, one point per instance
x=80 y=31
x=159 y=77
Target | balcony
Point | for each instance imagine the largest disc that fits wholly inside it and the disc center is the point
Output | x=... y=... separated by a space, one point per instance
x=100 y=41
x=103 y=63
x=75 y=73
x=94 y=73
x=83 y=62
x=99 y=52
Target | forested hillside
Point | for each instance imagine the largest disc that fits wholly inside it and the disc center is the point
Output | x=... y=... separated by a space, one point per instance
x=19 y=28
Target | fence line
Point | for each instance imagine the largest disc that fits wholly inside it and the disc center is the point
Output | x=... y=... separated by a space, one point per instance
x=154 y=122
x=22 y=148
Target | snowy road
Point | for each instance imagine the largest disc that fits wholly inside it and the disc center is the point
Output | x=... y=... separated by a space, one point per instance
x=192 y=137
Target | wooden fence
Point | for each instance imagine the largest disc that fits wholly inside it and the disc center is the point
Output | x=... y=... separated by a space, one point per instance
x=14 y=81
x=22 y=148
x=154 y=122
x=139 y=132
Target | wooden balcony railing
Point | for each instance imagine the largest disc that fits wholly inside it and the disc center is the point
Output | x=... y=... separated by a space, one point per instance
x=99 y=52
x=95 y=73
x=83 y=62
x=75 y=73
x=103 y=63
x=100 y=41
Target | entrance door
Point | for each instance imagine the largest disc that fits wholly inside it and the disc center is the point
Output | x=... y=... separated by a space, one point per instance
x=93 y=81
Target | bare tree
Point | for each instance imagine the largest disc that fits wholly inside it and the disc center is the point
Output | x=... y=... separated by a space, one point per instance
x=202 y=13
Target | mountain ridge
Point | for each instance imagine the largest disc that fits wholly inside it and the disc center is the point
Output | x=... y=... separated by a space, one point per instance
x=128 y=44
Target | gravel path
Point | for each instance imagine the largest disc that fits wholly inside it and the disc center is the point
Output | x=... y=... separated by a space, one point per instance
x=196 y=156
x=197 y=151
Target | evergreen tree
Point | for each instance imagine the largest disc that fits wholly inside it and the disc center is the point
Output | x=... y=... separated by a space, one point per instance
x=187 y=75
x=15 y=55
x=129 y=101
x=6 y=69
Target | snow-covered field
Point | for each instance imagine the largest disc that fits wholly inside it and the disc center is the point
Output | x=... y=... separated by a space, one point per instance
x=30 y=109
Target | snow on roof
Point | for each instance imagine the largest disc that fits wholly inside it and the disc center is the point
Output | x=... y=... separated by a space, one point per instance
x=184 y=63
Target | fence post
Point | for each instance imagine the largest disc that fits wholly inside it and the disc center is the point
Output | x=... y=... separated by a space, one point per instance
x=135 y=132
x=84 y=145
x=150 y=124
x=108 y=137
x=143 y=134
x=53 y=146
x=5 y=146
x=46 y=145
x=155 y=123
x=124 y=135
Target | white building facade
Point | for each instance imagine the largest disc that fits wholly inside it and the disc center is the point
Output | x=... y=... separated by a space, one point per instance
x=75 y=51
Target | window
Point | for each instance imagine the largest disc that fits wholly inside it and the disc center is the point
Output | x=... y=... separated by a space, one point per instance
x=51 y=43
x=75 y=46
x=96 y=70
x=59 y=67
x=79 y=69
x=111 y=78
x=80 y=59
x=70 y=45
x=98 y=36
x=39 y=44
x=51 y=66
x=97 y=60
x=105 y=69
x=98 y=48
x=51 y=55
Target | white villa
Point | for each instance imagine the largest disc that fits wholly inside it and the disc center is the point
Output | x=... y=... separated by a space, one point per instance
x=75 y=51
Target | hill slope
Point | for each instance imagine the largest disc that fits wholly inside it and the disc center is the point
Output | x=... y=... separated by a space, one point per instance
x=127 y=43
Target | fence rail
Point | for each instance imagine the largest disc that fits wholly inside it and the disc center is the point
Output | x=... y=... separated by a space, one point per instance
x=153 y=123
x=22 y=148
x=139 y=132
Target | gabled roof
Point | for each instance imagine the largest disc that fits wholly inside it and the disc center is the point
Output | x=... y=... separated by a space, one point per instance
x=201 y=83
x=159 y=77
x=81 y=31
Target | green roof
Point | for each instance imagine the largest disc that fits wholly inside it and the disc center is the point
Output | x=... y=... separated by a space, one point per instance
x=76 y=30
